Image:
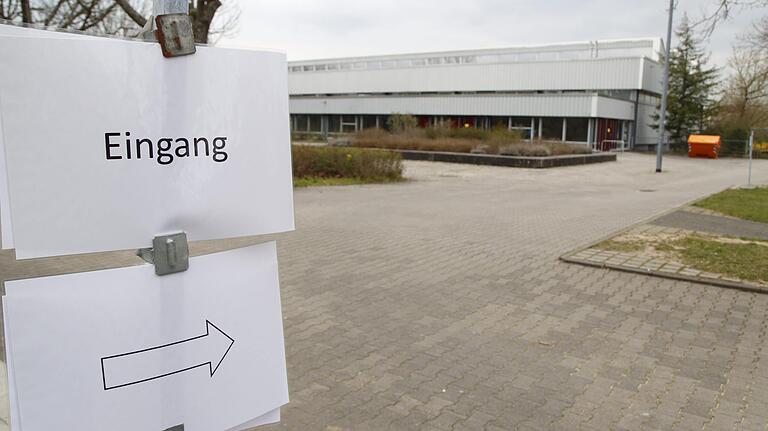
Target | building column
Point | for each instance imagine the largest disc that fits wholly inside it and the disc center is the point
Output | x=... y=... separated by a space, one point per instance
x=324 y=125
x=590 y=131
x=541 y=127
x=533 y=128
x=565 y=128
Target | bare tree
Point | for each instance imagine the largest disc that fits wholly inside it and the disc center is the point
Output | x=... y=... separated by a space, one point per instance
x=724 y=9
x=745 y=100
x=203 y=13
x=211 y=18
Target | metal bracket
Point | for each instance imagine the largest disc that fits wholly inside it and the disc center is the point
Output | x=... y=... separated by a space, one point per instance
x=169 y=254
x=174 y=32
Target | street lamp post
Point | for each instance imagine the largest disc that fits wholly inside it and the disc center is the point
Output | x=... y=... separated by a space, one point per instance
x=665 y=93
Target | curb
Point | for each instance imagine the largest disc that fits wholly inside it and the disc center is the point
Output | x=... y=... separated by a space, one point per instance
x=508 y=161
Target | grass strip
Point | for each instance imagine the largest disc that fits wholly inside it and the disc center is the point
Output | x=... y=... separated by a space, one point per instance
x=742 y=203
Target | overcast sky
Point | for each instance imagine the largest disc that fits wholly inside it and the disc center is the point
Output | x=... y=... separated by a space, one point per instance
x=312 y=29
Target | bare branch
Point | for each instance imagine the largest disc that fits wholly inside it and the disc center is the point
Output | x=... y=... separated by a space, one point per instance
x=132 y=13
x=53 y=13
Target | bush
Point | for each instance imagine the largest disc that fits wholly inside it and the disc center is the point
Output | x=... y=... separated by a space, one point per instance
x=330 y=162
x=443 y=139
x=401 y=123
x=470 y=133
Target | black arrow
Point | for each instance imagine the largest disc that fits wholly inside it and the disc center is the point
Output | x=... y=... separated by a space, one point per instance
x=145 y=365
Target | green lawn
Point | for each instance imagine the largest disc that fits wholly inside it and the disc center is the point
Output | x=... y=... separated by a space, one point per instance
x=745 y=204
x=746 y=261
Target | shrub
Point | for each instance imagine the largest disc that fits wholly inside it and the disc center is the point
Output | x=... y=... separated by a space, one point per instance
x=400 y=123
x=330 y=162
x=470 y=133
x=505 y=142
x=442 y=129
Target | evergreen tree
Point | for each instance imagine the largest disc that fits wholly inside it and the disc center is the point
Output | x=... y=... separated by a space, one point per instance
x=691 y=102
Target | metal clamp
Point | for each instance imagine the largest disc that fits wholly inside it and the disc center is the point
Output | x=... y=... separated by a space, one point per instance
x=175 y=34
x=169 y=254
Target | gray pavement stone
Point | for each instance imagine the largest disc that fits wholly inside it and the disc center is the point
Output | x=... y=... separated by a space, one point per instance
x=392 y=293
x=716 y=224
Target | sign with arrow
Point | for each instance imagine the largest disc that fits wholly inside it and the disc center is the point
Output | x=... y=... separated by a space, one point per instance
x=207 y=350
x=125 y=350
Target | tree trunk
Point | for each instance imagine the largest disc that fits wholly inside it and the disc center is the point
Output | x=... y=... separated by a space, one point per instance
x=26 y=12
x=202 y=17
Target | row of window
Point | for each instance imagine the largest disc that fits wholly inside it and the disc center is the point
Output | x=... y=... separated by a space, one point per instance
x=583 y=53
x=548 y=128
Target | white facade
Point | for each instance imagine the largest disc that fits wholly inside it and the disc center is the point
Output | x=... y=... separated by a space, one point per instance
x=606 y=89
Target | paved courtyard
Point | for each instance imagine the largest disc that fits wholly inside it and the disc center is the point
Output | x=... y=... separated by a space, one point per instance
x=440 y=304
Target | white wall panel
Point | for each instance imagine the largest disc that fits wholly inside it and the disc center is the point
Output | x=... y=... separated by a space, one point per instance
x=503 y=105
x=601 y=74
x=653 y=75
x=613 y=108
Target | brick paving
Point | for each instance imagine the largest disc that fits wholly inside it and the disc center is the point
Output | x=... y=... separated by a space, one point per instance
x=440 y=304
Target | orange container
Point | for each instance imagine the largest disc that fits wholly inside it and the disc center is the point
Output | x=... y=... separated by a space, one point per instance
x=704 y=146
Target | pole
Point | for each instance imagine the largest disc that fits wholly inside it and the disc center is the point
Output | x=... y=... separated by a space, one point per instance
x=165 y=7
x=751 y=149
x=665 y=93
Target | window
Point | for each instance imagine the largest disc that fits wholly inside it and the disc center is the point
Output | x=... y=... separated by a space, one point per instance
x=300 y=123
x=334 y=123
x=521 y=122
x=577 y=129
x=369 y=122
x=552 y=129
x=315 y=123
x=348 y=124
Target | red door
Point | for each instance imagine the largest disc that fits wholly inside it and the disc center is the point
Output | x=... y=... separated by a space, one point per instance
x=607 y=130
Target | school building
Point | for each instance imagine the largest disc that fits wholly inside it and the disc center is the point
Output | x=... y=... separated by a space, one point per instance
x=599 y=93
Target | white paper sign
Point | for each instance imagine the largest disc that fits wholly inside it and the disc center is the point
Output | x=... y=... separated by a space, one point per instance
x=109 y=144
x=125 y=350
x=6 y=233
